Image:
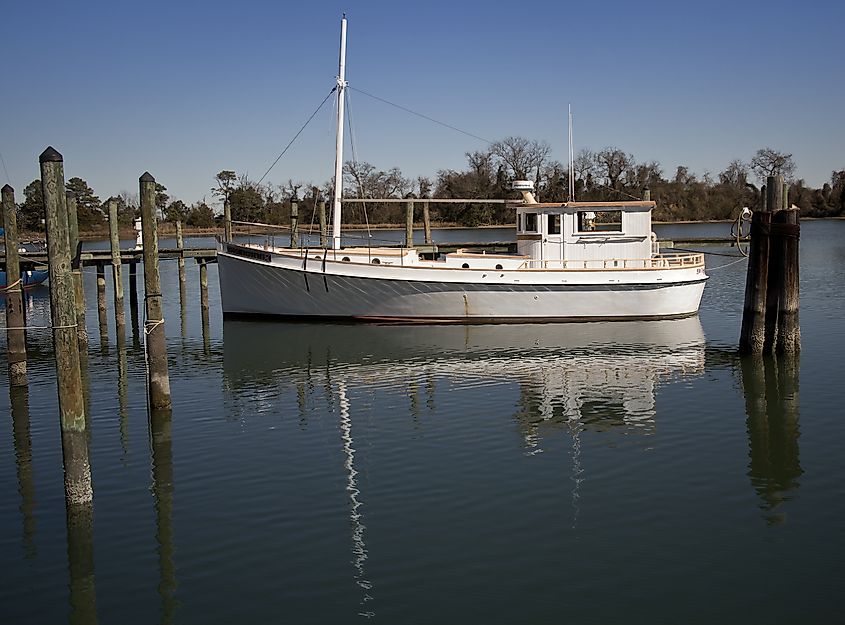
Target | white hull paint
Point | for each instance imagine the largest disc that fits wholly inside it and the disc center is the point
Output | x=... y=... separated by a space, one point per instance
x=285 y=286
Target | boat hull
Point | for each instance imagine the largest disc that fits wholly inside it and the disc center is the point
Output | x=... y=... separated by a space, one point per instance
x=288 y=289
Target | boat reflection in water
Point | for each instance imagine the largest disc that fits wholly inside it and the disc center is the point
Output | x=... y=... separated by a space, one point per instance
x=602 y=374
x=568 y=377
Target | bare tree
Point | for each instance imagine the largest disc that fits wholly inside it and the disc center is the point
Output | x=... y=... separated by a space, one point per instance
x=735 y=174
x=521 y=156
x=769 y=162
x=584 y=164
x=612 y=163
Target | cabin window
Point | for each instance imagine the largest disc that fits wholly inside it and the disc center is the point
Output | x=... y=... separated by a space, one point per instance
x=465 y=266
x=345 y=259
x=376 y=261
x=600 y=221
x=498 y=266
x=554 y=224
x=519 y=223
x=530 y=222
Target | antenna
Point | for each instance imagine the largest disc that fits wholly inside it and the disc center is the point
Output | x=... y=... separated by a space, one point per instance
x=571 y=159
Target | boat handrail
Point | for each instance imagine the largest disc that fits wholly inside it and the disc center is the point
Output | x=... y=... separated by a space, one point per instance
x=661 y=261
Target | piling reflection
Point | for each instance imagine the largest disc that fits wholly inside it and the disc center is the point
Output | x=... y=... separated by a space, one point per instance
x=772 y=406
x=80 y=553
x=162 y=471
x=19 y=396
x=123 y=395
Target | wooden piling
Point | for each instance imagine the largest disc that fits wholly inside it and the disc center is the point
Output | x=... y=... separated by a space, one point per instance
x=133 y=289
x=646 y=195
x=159 y=381
x=78 y=285
x=116 y=268
x=324 y=233
x=788 y=329
x=101 y=302
x=227 y=221
x=409 y=224
x=426 y=223
x=294 y=222
x=774 y=204
x=78 y=489
x=204 y=297
x=180 y=245
x=15 y=334
x=753 y=332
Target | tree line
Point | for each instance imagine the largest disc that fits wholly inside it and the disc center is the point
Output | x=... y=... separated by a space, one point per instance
x=610 y=174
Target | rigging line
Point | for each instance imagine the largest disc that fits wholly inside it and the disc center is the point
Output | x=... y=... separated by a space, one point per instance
x=6 y=171
x=355 y=164
x=431 y=119
x=296 y=135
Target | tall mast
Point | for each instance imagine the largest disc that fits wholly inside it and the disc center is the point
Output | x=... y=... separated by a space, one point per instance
x=571 y=159
x=338 y=163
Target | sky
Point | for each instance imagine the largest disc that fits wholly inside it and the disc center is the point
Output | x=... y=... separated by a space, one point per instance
x=187 y=89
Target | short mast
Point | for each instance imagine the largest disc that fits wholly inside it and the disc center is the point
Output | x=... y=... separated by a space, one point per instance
x=338 y=163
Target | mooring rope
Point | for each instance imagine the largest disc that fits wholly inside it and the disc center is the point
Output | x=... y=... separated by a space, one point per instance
x=41 y=327
x=12 y=286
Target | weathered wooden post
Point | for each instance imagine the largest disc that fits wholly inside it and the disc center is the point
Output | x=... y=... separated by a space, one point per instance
x=774 y=204
x=409 y=224
x=204 y=298
x=294 y=221
x=78 y=490
x=79 y=290
x=227 y=221
x=159 y=381
x=426 y=223
x=787 y=223
x=753 y=333
x=324 y=234
x=116 y=268
x=180 y=245
x=15 y=334
x=101 y=302
x=133 y=289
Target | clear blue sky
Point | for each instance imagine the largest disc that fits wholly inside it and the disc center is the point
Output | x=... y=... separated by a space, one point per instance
x=186 y=89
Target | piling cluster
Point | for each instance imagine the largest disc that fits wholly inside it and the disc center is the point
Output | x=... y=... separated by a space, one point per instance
x=770 y=314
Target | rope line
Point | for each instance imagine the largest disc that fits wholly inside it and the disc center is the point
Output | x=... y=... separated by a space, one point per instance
x=12 y=286
x=287 y=147
x=741 y=258
x=40 y=327
x=431 y=119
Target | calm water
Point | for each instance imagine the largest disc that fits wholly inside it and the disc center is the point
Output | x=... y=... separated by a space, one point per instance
x=588 y=473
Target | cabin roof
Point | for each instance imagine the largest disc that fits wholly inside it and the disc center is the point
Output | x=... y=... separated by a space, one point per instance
x=638 y=203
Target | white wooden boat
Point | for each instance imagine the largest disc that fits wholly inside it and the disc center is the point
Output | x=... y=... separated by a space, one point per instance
x=574 y=261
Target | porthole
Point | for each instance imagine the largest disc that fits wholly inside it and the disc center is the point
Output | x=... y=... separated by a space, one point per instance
x=345 y=259
x=318 y=258
x=465 y=266
x=376 y=261
x=498 y=267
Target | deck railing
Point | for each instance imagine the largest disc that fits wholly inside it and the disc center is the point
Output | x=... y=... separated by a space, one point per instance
x=661 y=261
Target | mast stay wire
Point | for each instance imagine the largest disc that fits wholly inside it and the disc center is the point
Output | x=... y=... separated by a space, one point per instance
x=431 y=119
x=299 y=132
x=355 y=163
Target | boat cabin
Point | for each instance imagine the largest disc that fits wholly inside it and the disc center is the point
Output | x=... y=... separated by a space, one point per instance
x=585 y=231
